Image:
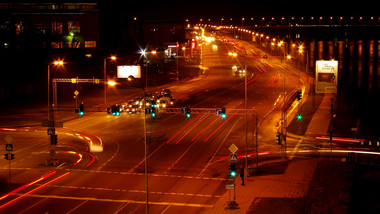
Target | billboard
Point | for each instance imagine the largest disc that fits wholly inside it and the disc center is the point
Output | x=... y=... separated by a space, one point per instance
x=326 y=76
x=124 y=71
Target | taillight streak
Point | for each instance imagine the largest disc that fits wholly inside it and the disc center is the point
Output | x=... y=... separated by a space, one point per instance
x=33 y=190
x=183 y=128
x=192 y=128
x=27 y=185
x=220 y=126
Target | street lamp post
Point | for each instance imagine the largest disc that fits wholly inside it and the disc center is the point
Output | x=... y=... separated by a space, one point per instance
x=58 y=62
x=105 y=76
x=245 y=107
x=132 y=79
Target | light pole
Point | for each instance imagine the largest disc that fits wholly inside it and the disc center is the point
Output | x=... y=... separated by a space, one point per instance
x=145 y=54
x=245 y=107
x=57 y=63
x=105 y=76
x=132 y=79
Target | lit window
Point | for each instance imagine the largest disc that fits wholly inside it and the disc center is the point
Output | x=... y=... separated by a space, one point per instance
x=90 y=44
x=75 y=44
x=56 y=44
x=56 y=27
x=73 y=26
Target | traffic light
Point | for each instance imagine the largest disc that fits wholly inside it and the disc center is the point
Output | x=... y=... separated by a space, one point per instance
x=299 y=94
x=333 y=117
x=232 y=168
x=223 y=113
x=81 y=109
x=53 y=139
x=153 y=114
x=188 y=112
x=12 y=156
x=6 y=156
x=299 y=116
x=278 y=139
x=115 y=110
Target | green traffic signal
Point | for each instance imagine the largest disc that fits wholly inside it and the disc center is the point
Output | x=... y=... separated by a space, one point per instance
x=153 y=114
x=188 y=115
x=299 y=116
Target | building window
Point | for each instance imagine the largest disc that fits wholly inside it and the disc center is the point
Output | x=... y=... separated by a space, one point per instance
x=73 y=26
x=90 y=44
x=19 y=28
x=56 y=44
x=40 y=28
x=56 y=27
x=75 y=44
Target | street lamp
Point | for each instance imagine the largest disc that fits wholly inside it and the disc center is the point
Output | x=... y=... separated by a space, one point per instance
x=113 y=58
x=132 y=80
x=245 y=107
x=145 y=54
x=56 y=63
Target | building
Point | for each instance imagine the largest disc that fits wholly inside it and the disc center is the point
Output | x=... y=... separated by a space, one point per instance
x=50 y=26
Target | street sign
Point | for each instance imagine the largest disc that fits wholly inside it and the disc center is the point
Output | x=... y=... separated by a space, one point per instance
x=9 y=147
x=51 y=131
x=76 y=92
x=8 y=139
x=230 y=186
x=233 y=148
x=233 y=157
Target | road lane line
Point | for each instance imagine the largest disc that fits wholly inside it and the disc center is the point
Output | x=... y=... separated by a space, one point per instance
x=295 y=149
x=76 y=207
x=192 y=128
x=165 y=203
x=113 y=156
x=209 y=162
x=220 y=126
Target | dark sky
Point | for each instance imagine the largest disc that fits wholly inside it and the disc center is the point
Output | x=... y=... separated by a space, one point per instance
x=195 y=9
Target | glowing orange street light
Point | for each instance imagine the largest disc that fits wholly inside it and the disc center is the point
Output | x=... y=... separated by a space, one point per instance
x=153 y=52
x=58 y=62
x=111 y=83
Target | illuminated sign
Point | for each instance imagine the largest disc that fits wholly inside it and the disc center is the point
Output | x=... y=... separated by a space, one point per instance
x=326 y=76
x=124 y=71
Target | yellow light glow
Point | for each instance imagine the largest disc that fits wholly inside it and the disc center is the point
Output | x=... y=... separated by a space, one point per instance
x=59 y=62
x=111 y=83
x=289 y=57
x=153 y=52
x=113 y=57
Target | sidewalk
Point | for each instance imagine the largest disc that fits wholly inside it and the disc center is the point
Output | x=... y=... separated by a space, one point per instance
x=292 y=184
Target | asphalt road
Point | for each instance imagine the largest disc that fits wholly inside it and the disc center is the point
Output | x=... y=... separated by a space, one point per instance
x=187 y=157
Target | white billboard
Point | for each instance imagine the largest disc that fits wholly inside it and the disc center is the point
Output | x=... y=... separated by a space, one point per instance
x=326 y=76
x=124 y=71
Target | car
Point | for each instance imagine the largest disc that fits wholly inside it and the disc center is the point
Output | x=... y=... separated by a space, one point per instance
x=166 y=92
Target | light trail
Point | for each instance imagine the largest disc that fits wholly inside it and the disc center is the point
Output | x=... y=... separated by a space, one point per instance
x=204 y=129
x=220 y=126
x=192 y=128
x=27 y=185
x=183 y=129
x=33 y=190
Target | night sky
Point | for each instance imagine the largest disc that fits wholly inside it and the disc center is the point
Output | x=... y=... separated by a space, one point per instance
x=195 y=9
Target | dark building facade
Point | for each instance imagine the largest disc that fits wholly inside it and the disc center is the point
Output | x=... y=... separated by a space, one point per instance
x=32 y=35
x=49 y=26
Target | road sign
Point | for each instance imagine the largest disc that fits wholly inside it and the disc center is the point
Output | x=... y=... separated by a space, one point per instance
x=233 y=157
x=230 y=186
x=8 y=147
x=8 y=139
x=233 y=148
x=76 y=92
x=51 y=131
